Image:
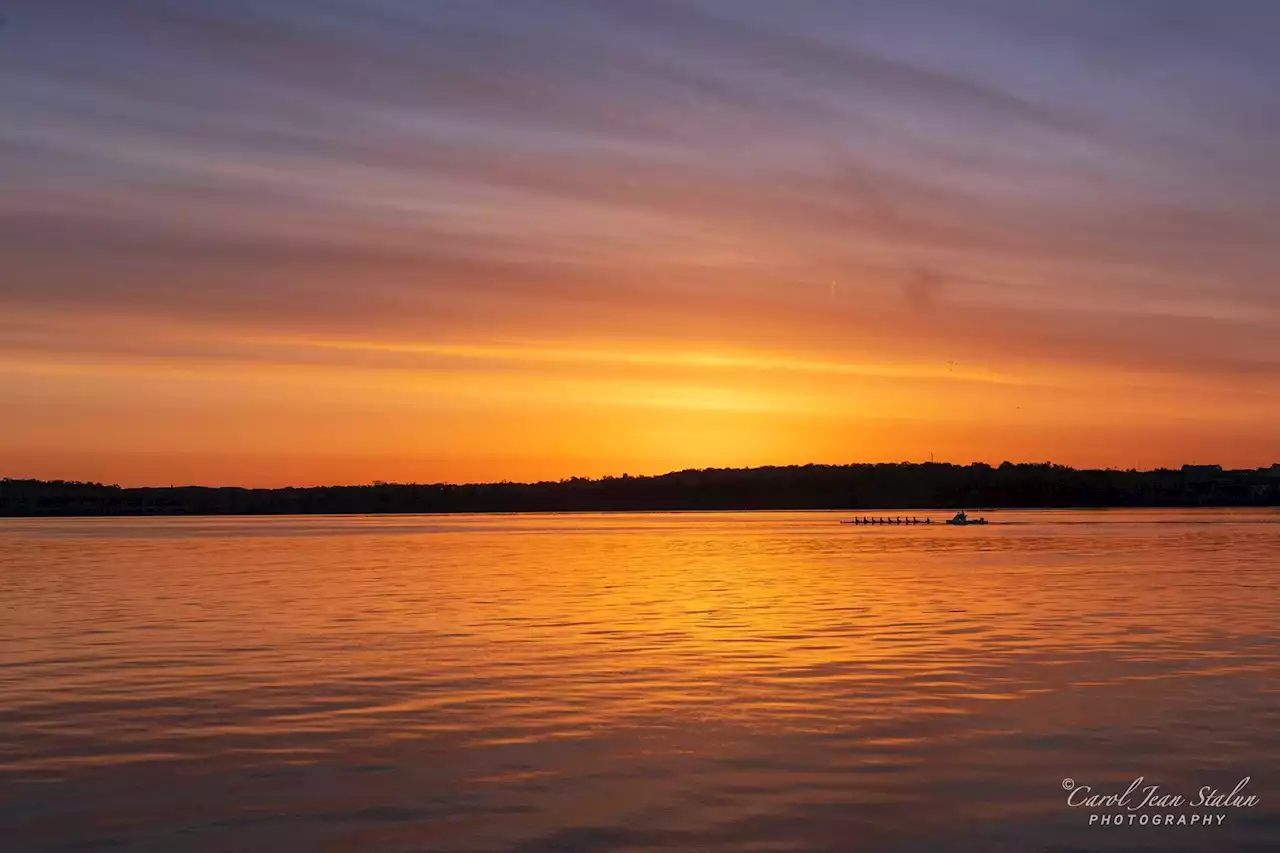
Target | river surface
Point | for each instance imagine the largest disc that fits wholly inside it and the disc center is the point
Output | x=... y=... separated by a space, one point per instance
x=640 y=682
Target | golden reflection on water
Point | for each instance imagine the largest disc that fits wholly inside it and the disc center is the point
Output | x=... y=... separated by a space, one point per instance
x=668 y=681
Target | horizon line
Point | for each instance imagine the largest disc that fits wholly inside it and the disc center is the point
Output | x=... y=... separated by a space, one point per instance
x=628 y=476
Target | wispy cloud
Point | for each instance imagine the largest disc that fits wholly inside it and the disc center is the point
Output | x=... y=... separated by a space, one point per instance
x=1030 y=195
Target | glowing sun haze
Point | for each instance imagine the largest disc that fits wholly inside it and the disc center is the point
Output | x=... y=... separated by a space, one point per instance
x=297 y=242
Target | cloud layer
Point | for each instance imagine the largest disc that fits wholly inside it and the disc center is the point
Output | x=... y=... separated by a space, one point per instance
x=810 y=223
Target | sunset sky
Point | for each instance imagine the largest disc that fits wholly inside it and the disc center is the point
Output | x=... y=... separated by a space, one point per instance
x=300 y=242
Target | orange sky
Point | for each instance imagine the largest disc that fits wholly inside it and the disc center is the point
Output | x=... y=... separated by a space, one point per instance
x=269 y=411
x=597 y=242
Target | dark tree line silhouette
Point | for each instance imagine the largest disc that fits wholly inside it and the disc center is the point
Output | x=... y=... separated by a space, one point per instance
x=862 y=486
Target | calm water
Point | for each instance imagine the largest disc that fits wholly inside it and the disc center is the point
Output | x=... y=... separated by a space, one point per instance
x=673 y=682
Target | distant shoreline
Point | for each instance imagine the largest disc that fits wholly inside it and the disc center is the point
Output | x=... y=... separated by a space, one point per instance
x=882 y=486
x=652 y=511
